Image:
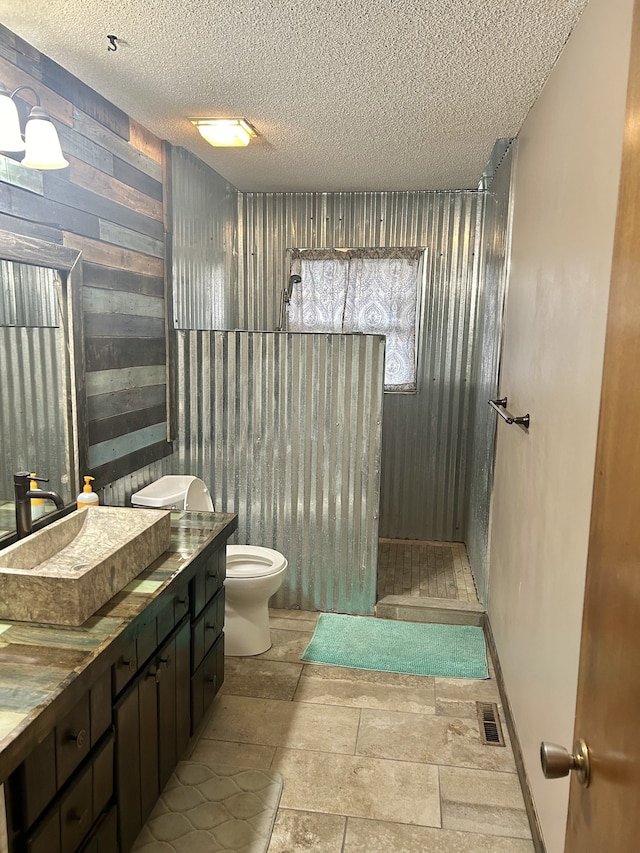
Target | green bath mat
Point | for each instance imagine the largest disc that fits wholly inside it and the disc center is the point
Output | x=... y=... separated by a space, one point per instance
x=363 y=642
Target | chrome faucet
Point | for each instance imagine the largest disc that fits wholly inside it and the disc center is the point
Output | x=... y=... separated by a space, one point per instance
x=23 y=495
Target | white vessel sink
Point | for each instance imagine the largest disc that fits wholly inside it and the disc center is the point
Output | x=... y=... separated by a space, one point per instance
x=65 y=572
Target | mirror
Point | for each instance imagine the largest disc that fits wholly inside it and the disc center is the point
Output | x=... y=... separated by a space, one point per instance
x=40 y=364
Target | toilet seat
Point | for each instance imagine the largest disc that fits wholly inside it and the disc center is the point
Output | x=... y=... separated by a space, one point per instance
x=253 y=561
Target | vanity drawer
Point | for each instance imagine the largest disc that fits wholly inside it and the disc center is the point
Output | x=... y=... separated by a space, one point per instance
x=206 y=629
x=35 y=783
x=86 y=798
x=76 y=812
x=215 y=572
x=146 y=641
x=73 y=740
x=82 y=728
x=208 y=578
x=206 y=682
x=70 y=817
x=124 y=668
x=174 y=611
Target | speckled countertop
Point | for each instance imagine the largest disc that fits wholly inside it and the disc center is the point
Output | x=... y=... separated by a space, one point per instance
x=44 y=669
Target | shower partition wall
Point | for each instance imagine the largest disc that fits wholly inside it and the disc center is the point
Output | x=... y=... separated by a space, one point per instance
x=286 y=430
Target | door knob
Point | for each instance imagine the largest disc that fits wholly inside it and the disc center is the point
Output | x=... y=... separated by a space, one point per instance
x=557 y=761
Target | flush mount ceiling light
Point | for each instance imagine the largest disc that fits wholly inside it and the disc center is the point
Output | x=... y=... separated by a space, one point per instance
x=225 y=132
x=41 y=145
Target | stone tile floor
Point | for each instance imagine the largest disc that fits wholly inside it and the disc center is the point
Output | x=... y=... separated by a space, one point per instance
x=371 y=761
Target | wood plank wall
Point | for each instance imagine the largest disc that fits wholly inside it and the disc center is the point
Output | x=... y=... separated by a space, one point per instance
x=110 y=205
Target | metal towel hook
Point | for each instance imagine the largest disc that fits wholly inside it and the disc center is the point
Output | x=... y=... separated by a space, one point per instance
x=112 y=40
x=500 y=406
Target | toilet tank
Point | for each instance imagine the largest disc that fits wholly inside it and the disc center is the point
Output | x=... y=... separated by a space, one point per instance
x=176 y=492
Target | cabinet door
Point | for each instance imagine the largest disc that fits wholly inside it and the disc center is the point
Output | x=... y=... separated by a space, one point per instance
x=173 y=702
x=148 y=738
x=183 y=701
x=127 y=720
x=167 y=730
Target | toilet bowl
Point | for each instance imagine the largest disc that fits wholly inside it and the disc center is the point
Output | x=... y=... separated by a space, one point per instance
x=253 y=573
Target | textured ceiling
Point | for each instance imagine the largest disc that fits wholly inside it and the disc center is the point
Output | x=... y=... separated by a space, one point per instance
x=346 y=94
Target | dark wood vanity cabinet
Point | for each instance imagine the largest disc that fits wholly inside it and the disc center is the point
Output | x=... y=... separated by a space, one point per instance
x=91 y=783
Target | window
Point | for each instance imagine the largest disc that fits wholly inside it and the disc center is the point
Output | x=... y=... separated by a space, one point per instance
x=373 y=291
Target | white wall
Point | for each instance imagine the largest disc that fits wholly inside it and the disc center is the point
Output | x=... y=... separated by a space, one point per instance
x=566 y=184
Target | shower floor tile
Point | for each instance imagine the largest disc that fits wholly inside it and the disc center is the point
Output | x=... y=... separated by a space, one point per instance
x=425 y=570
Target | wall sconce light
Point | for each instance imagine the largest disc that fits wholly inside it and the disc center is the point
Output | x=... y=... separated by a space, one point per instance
x=225 y=132
x=41 y=145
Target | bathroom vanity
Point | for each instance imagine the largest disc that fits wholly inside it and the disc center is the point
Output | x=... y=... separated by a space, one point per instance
x=94 y=718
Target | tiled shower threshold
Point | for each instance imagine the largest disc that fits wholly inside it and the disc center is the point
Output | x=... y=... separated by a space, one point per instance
x=426 y=581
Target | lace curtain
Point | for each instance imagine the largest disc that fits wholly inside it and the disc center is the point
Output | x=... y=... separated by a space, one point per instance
x=372 y=291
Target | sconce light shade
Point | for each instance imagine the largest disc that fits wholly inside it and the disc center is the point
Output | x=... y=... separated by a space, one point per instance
x=42 y=146
x=225 y=132
x=10 y=136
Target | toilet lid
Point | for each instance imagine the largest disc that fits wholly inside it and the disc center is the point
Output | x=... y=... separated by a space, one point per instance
x=252 y=561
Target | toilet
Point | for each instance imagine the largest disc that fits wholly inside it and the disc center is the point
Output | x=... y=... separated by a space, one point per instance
x=253 y=573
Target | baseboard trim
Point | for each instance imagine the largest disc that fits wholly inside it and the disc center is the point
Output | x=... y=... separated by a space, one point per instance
x=534 y=822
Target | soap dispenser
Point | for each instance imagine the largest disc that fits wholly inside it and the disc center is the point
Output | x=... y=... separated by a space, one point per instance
x=87 y=496
x=37 y=504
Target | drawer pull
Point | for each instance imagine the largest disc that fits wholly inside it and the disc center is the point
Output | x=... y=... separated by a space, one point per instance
x=79 y=739
x=211 y=679
x=209 y=627
x=128 y=664
x=183 y=601
x=154 y=673
x=166 y=660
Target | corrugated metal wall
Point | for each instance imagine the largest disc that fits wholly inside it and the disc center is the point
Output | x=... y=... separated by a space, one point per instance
x=34 y=415
x=204 y=221
x=486 y=362
x=286 y=430
x=28 y=296
x=435 y=442
x=425 y=435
